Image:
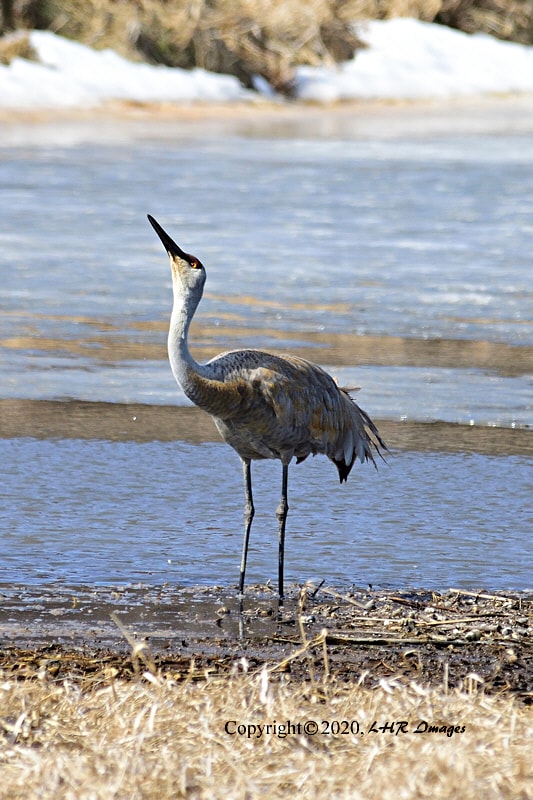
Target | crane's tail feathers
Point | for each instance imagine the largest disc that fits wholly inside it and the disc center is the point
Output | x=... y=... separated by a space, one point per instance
x=367 y=443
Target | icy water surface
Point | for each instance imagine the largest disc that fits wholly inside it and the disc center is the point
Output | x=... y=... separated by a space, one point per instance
x=425 y=239
x=401 y=264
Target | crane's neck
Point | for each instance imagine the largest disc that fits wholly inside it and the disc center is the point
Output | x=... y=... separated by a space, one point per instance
x=183 y=365
x=200 y=382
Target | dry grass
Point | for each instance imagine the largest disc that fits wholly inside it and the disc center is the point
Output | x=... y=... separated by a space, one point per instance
x=249 y=38
x=16 y=45
x=162 y=738
x=506 y=19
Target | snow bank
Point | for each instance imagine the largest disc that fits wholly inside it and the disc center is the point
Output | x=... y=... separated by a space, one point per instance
x=406 y=59
x=72 y=75
x=409 y=59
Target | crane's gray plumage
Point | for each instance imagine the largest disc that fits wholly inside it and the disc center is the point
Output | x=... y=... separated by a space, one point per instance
x=264 y=405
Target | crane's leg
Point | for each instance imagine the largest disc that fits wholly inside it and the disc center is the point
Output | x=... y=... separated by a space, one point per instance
x=281 y=513
x=248 y=517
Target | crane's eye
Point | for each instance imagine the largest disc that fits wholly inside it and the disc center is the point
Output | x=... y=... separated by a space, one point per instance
x=195 y=264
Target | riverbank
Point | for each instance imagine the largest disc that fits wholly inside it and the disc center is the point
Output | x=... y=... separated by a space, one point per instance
x=122 y=121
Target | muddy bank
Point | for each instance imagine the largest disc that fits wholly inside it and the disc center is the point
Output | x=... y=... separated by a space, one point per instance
x=112 y=344
x=457 y=638
x=43 y=419
x=122 y=122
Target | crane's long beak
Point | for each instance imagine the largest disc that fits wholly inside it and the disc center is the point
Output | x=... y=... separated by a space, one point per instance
x=169 y=244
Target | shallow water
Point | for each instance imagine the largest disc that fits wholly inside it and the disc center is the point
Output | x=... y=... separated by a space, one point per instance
x=414 y=393
x=101 y=512
x=313 y=244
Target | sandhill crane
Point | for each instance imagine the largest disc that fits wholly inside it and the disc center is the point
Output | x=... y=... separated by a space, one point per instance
x=264 y=405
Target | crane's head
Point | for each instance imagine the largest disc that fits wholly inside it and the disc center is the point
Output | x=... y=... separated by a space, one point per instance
x=188 y=272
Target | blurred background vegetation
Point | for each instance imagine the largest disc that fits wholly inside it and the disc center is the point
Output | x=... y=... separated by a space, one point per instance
x=244 y=38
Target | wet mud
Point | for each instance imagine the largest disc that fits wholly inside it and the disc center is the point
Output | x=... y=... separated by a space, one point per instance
x=121 y=422
x=456 y=639
x=107 y=341
x=133 y=121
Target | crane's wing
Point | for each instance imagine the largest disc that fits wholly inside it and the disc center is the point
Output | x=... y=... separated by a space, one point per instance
x=308 y=413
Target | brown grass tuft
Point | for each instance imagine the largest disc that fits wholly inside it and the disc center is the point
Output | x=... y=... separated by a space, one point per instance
x=16 y=45
x=506 y=19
